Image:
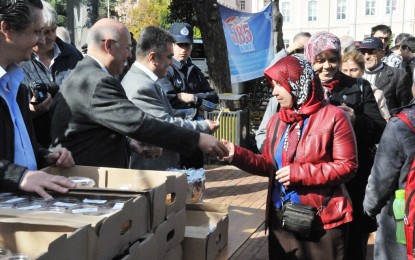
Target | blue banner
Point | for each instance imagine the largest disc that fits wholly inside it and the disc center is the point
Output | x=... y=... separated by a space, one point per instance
x=250 y=42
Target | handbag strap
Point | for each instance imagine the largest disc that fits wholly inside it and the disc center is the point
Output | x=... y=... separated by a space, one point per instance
x=325 y=202
x=274 y=138
x=326 y=199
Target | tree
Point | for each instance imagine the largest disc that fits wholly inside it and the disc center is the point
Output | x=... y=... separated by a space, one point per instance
x=210 y=24
x=277 y=23
x=181 y=11
x=137 y=16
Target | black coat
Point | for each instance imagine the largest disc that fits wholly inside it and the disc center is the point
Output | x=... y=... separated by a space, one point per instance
x=91 y=117
x=368 y=127
x=10 y=174
x=187 y=79
x=396 y=86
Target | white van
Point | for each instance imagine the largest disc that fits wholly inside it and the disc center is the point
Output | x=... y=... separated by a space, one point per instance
x=198 y=56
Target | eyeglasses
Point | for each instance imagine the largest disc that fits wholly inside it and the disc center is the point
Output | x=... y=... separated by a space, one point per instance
x=368 y=51
x=129 y=47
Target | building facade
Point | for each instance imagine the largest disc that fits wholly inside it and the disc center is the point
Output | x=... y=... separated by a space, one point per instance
x=340 y=17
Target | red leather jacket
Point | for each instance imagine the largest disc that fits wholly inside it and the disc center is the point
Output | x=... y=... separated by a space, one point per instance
x=326 y=158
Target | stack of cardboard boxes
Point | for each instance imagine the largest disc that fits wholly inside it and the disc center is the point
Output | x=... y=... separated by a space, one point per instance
x=154 y=223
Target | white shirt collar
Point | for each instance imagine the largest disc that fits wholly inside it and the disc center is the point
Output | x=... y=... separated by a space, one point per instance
x=56 y=53
x=146 y=70
x=100 y=64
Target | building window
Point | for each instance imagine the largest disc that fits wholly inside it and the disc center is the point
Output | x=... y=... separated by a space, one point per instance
x=312 y=11
x=286 y=43
x=242 y=4
x=391 y=6
x=286 y=11
x=341 y=9
x=370 y=7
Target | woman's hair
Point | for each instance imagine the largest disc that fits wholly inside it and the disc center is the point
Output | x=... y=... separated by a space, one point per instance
x=18 y=14
x=356 y=57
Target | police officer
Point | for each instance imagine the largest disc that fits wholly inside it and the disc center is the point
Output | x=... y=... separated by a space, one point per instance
x=189 y=88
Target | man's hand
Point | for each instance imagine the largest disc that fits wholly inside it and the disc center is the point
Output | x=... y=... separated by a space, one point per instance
x=210 y=145
x=60 y=157
x=186 y=97
x=297 y=46
x=41 y=108
x=38 y=181
x=136 y=146
x=213 y=125
x=231 y=149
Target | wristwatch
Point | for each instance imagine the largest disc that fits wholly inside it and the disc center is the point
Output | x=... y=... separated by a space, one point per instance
x=195 y=99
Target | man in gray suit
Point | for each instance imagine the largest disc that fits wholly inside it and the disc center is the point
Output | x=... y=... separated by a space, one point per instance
x=154 y=53
x=92 y=115
x=395 y=83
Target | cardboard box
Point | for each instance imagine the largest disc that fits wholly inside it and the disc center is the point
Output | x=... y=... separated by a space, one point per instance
x=145 y=248
x=63 y=247
x=112 y=233
x=206 y=231
x=45 y=239
x=170 y=233
x=166 y=191
x=175 y=253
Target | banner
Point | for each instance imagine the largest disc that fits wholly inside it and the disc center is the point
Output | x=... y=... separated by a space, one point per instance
x=250 y=42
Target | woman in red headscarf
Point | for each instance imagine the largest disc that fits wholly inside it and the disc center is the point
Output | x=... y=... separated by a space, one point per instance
x=309 y=153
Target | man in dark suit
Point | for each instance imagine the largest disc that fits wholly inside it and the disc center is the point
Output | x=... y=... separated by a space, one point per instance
x=92 y=115
x=20 y=156
x=142 y=89
x=395 y=83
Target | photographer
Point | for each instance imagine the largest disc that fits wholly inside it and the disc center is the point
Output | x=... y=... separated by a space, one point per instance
x=50 y=64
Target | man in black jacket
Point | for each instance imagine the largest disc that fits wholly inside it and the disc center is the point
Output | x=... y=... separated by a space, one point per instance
x=21 y=28
x=92 y=116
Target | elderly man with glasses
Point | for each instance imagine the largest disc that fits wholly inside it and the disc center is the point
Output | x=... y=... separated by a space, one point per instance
x=395 y=83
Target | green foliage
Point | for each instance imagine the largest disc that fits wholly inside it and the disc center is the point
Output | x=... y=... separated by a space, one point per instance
x=138 y=15
x=60 y=7
x=182 y=11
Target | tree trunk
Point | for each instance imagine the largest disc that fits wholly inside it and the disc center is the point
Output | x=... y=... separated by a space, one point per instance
x=277 y=23
x=210 y=24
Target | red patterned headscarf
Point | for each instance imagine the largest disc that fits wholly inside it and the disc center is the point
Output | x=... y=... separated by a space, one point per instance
x=297 y=76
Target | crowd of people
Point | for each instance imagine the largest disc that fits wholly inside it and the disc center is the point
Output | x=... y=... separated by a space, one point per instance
x=370 y=82
x=328 y=138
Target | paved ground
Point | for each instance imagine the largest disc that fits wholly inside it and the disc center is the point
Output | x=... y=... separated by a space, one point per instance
x=229 y=185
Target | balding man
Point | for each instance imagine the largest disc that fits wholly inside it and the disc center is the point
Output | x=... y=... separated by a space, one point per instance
x=93 y=117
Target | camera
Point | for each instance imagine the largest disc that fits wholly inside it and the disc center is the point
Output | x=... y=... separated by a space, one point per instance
x=42 y=90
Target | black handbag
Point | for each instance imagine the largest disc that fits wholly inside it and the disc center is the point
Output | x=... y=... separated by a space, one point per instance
x=297 y=218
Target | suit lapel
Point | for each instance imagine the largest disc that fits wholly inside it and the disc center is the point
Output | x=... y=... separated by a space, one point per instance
x=383 y=78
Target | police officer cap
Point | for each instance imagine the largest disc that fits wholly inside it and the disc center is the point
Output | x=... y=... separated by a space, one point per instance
x=182 y=32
